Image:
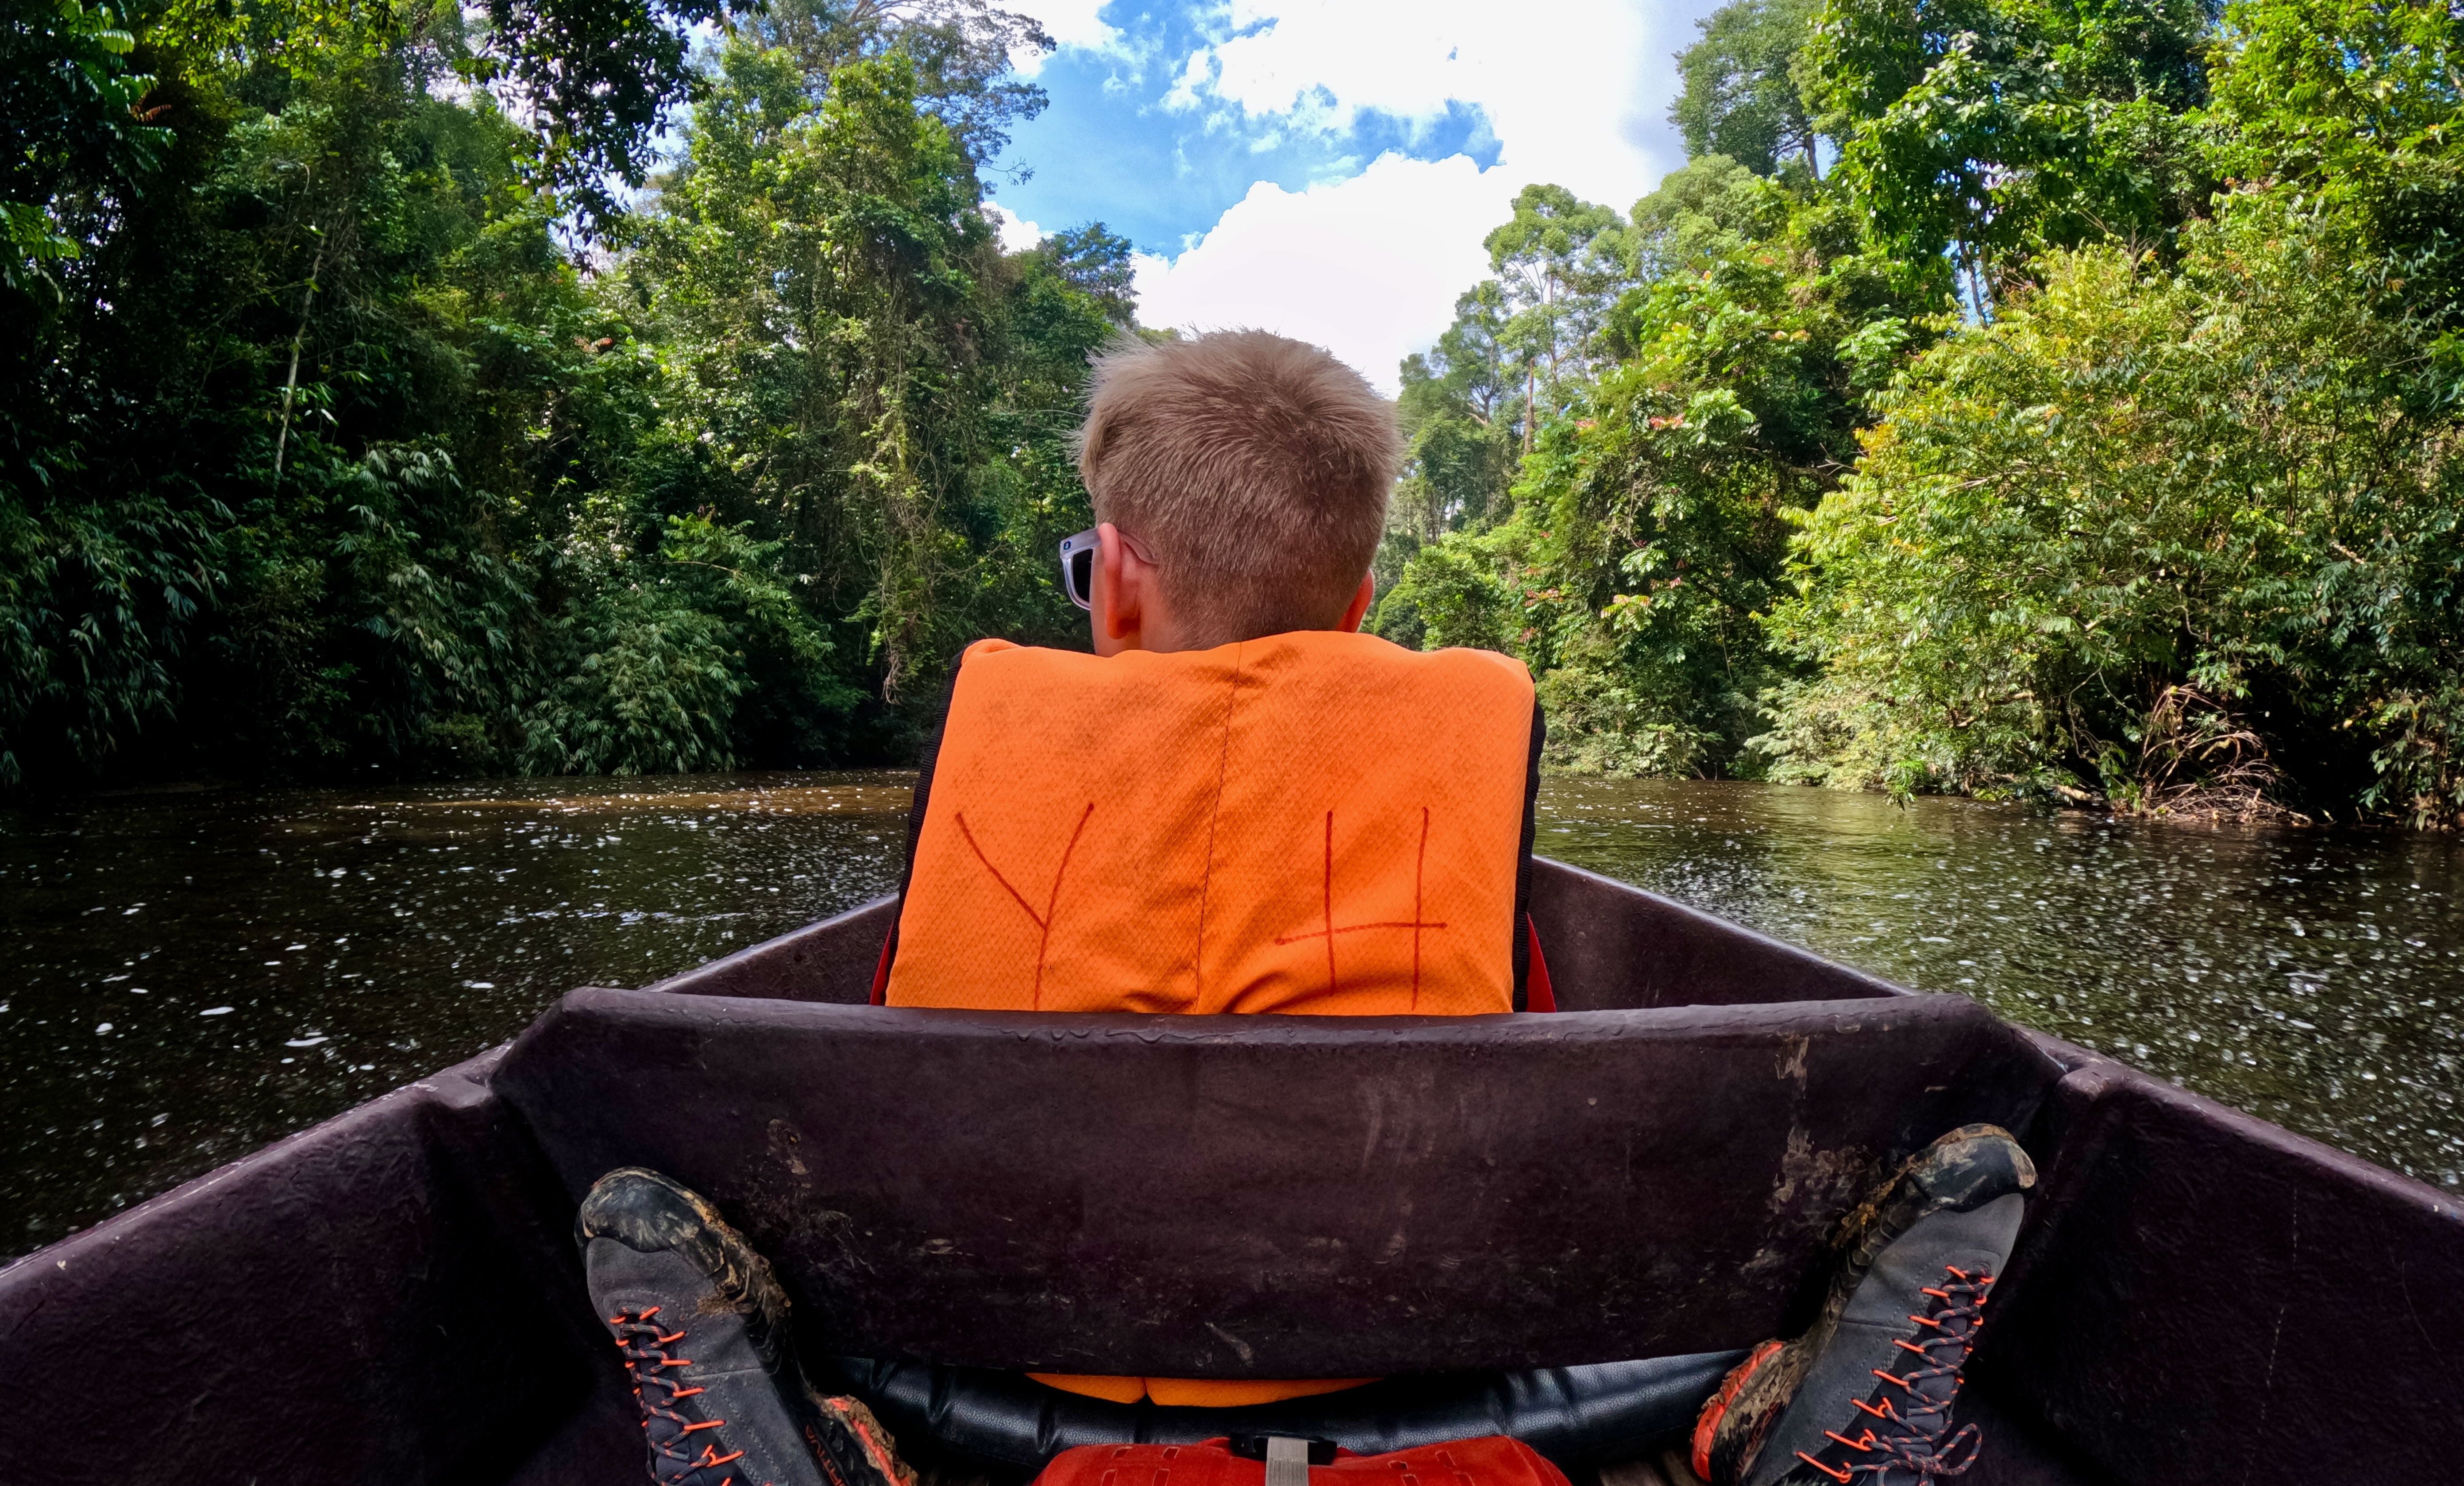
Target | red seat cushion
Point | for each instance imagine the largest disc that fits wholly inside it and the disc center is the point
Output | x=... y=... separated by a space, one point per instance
x=1491 y=1461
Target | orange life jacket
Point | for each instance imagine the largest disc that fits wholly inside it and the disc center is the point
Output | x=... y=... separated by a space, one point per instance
x=1315 y=823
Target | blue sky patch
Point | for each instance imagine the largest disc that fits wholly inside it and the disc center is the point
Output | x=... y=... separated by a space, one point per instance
x=1111 y=148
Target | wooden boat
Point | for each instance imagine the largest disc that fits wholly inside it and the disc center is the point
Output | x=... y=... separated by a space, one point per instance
x=395 y=1294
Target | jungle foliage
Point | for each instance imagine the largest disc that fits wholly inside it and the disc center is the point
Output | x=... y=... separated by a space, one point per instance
x=358 y=414
x=2009 y=397
x=2012 y=397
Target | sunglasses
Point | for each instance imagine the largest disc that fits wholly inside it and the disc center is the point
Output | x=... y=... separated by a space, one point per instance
x=1078 y=565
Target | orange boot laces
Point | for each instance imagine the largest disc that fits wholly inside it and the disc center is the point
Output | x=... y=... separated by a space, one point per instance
x=1904 y=1438
x=678 y=1458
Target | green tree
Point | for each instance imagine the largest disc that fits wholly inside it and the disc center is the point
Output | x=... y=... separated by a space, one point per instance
x=1740 y=99
x=1649 y=526
x=1994 y=129
x=2356 y=107
x=1702 y=211
x=2224 y=589
x=324 y=451
x=247 y=292
x=80 y=119
x=600 y=77
x=1560 y=261
x=1660 y=512
x=2085 y=433
x=961 y=51
x=1452 y=410
x=814 y=271
x=659 y=666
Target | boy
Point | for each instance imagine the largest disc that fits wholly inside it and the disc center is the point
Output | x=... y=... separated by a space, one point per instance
x=1236 y=803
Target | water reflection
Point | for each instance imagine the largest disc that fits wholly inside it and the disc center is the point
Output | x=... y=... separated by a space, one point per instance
x=190 y=975
x=2311 y=978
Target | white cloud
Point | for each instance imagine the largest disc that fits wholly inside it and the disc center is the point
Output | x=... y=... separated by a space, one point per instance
x=1200 y=73
x=1016 y=232
x=1367 y=267
x=1576 y=90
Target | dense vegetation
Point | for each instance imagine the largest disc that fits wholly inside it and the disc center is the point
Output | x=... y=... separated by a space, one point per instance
x=2047 y=398
x=2019 y=397
x=349 y=421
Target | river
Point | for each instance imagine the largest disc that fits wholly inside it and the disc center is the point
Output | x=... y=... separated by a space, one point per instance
x=187 y=975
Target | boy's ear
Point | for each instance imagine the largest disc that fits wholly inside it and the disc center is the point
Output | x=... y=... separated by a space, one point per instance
x=1118 y=616
x=1361 y=599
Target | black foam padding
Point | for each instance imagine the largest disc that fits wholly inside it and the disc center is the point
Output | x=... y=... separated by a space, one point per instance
x=1576 y=1416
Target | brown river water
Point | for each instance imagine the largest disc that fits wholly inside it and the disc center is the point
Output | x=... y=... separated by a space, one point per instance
x=186 y=976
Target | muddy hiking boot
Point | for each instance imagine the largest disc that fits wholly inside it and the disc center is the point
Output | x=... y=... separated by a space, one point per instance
x=703 y=1326
x=1865 y=1396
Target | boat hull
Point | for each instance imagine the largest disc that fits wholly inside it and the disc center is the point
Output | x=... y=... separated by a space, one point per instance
x=394 y=1294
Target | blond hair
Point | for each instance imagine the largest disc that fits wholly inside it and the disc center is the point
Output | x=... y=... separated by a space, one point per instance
x=1255 y=471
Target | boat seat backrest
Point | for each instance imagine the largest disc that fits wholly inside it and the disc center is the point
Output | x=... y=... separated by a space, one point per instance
x=1270 y=1196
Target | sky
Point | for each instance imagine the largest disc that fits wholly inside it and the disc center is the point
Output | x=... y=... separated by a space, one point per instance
x=1328 y=168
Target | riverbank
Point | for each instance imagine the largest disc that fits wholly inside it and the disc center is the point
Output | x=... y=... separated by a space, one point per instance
x=194 y=974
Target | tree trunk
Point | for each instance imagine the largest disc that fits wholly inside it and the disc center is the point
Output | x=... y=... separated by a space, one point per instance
x=290 y=382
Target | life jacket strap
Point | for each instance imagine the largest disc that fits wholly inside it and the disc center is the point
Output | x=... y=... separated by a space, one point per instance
x=1286 y=1461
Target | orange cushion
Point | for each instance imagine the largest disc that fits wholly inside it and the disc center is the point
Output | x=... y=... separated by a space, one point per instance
x=1196 y=1392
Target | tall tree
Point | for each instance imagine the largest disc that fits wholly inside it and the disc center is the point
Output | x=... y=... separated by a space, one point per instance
x=323 y=452
x=1740 y=99
x=1561 y=261
x=599 y=76
x=1711 y=207
x=2357 y=106
x=1994 y=129
x=80 y=118
x=960 y=50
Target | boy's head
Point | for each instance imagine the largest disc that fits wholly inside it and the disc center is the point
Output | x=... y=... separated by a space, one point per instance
x=1251 y=470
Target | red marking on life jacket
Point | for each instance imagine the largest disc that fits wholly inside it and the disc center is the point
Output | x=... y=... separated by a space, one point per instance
x=1042 y=922
x=1416 y=924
